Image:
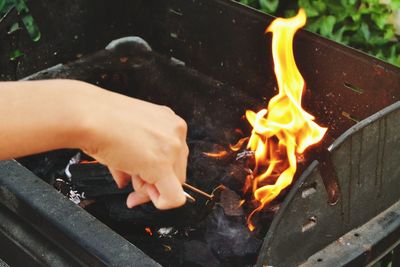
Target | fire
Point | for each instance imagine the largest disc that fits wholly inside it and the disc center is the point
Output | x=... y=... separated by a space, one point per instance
x=88 y=162
x=148 y=231
x=216 y=155
x=283 y=131
x=239 y=144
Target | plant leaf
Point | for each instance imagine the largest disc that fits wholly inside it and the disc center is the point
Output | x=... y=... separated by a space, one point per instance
x=16 y=54
x=327 y=23
x=2 y=5
x=311 y=11
x=365 y=31
x=269 y=6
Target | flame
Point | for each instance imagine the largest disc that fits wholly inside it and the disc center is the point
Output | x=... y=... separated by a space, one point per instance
x=217 y=155
x=239 y=144
x=148 y=231
x=88 y=162
x=285 y=130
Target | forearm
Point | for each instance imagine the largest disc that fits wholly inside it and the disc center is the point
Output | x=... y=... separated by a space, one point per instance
x=40 y=116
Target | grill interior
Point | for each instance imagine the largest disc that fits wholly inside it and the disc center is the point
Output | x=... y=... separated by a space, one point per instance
x=228 y=70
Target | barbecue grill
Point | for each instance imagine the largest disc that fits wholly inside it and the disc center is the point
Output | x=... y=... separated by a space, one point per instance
x=343 y=209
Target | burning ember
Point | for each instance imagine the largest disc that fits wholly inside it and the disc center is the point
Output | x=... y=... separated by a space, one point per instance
x=282 y=132
x=217 y=155
x=148 y=231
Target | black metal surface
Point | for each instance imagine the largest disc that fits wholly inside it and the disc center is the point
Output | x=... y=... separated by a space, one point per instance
x=368 y=178
x=3 y=264
x=78 y=235
x=21 y=244
x=362 y=245
x=329 y=177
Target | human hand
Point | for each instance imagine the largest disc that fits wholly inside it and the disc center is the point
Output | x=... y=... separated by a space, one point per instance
x=140 y=142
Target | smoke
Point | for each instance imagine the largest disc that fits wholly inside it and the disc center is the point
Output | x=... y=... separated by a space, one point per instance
x=228 y=236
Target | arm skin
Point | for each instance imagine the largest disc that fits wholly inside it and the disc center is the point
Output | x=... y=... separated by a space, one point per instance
x=139 y=141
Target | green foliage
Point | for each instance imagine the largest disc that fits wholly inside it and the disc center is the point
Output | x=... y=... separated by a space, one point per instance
x=364 y=24
x=27 y=21
x=26 y=18
x=268 y=6
x=5 y=5
x=16 y=54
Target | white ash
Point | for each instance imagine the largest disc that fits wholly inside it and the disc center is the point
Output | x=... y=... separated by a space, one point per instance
x=245 y=154
x=167 y=232
x=76 y=197
x=74 y=160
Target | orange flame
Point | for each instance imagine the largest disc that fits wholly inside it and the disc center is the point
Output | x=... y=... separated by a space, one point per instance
x=284 y=130
x=148 y=231
x=239 y=144
x=88 y=162
x=216 y=155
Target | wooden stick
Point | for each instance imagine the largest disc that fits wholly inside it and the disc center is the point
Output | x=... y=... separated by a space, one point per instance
x=194 y=189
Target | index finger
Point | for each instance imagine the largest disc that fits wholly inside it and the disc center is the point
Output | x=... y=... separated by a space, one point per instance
x=167 y=192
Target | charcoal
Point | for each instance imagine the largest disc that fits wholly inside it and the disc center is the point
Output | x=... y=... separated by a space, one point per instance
x=86 y=202
x=62 y=186
x=230 y=202
x=205 y=172
x=197 y=253
x=95 y=180
x=148 y=215
x=50 y=165
x=234 y=176
x=230 y=238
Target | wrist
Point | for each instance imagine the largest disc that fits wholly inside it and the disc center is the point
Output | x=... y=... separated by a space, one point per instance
x=81 y=131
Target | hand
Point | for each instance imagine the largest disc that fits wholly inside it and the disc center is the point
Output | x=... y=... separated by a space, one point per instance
x=140 y=142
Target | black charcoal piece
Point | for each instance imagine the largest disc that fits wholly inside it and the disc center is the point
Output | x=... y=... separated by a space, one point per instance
x=95 y=180
x=230 y=202
x=197 y=253
x=230 y=238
